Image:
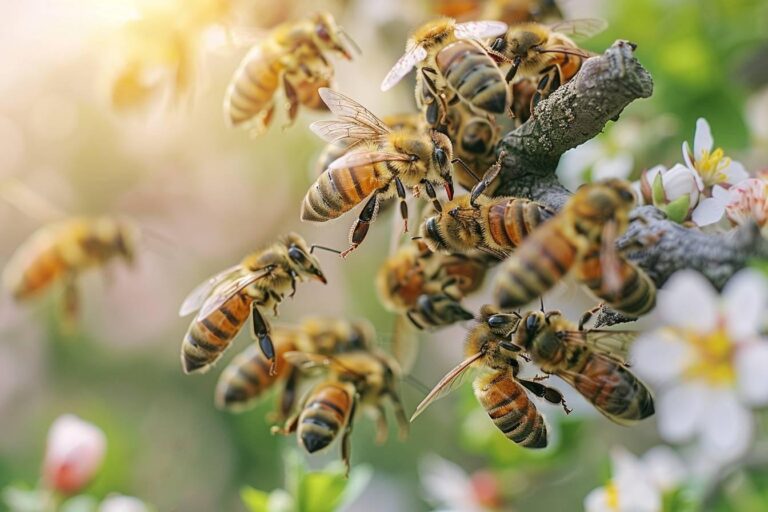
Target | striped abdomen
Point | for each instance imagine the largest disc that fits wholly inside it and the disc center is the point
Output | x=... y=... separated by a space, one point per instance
x=511 y=221
x=537 y=265
x=208 y=337
x=612 y=388
x=337 y=191
x=568 y=66
x=508 y=405
x=252 y=87
x=247 y=377
x=635 y=294
x=325 y=413
x=474 y=76
x=25 y=279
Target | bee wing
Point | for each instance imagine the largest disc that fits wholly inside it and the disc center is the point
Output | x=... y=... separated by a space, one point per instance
x=365 y=158
x=335 y=130
x=223 y=293
x=610 y=263
x=446 y=384
x=196 y=297
x=583 y=28
x=479 y=29
x=350 y=111
x=613 y=343
x=307 y=361
x=403 y=66
x=405 y=345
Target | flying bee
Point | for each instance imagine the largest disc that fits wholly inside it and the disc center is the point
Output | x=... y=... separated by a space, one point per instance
x=581 y=237
x=452 y=65
x=294 y=56
x=363 y=378
x=247 y=378
x=584 y=360
x=258 y=283
x=62 y=250
x=501 y=392
x=545 y=52
x=472 y=222
x=383 y=163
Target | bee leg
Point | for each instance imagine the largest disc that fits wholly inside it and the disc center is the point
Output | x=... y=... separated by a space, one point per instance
x=288 y=393
x=363 y=222
x=433 y=196
x=488 y=177
x=439 y=96
x=550 y=81
x=413 y=320
x=551 y=395
x=587 y=316
x=403 y=424
x=293 y=101
x=288 y=428
x=71 y=305
x=382 y=430
x=293 y=285
x=261 y=332
x=403 y=204
x=345 y=444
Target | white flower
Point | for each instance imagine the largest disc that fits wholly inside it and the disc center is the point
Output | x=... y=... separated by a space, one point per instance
x=712 y=166
x=711 y=209
x=638 y=484
x=707 y=361
x=748 y=202
x=674 y=191
x=448 y=485
x=74 y=453
x=121 y=503
x=604 y=160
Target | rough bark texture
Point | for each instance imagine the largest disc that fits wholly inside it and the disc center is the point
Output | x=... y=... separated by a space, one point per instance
x=576 y=113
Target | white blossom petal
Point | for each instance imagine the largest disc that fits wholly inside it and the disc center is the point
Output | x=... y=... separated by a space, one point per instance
x=597 y=501
x=687 y=156
x=702 y=139
x=721 y=194
x=659 y=356
x=446 y=483
x=728 y=433
x=618 y=166
x=681 y=411
x=750 y=362
x=709 y=211
x=745 y=302
x=688 y=301
x=664 y=467
x=735 y=172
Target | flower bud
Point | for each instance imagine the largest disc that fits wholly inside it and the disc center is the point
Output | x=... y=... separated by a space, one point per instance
x=675 y=191
x=73 y=455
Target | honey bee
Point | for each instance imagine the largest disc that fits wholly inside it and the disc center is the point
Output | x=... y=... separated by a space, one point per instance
x=452 y=65
x=581 y=237
x=258 y=283
x=383 y=163
x=501 y=392
x=581 y=358
x=293 y=55
x=64 y=249
x=247 y=376
x=474 y=142
x=472 y=222
x=363 y=378
x=545 y=52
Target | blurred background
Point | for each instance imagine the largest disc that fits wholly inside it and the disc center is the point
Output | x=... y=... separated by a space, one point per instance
x=76 y=130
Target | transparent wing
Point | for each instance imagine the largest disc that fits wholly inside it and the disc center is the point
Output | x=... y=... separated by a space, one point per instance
x=336 y=130
x=223 y=293
x=614 y=343
x=610 y=264
x=350 y=111
x=196 y=297
x=307 y=361
x=446 y=384
x=480 y=29
x=365 y=158
x=581 y=28
x=403 y=66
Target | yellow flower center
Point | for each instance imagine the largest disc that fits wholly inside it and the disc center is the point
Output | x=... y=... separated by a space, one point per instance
x=711 y=165
x=612 y=496
x=714 y=361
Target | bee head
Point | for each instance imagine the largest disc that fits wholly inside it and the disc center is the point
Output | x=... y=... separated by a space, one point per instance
x=329 y=35
x=604 y=201
x=522 y=42
x=531 y=325
x=301 y=259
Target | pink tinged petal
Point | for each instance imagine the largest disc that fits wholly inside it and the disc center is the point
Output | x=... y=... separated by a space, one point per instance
x=688 y=301
x=665 y=467
x=682 y=410
x=735 y=172
x=726 y=433
x=660 y=356
x=745 y=303
x=751 y=361
x=709 y=211
x=702 y=139
x=74 y=453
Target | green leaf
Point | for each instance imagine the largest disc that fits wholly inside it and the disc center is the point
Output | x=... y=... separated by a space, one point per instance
x=321 y=491
x=657 y=191
x=677 y=210
x=254 y=499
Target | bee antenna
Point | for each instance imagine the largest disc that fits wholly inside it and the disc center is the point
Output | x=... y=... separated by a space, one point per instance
x=416 y=237
x=466 y=168
x=315 y=246
x=517 y=315
x=541 y=301
x=351 y=41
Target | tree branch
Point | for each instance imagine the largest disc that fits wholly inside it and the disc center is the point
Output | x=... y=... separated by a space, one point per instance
x=574 y=114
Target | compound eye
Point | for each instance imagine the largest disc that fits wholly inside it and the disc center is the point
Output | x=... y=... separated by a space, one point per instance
x=626 y=195
x=498 y=44
x=532 y=324
x=322 y=33
x=440 y=156
x=497 y=321
x=296 y=254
